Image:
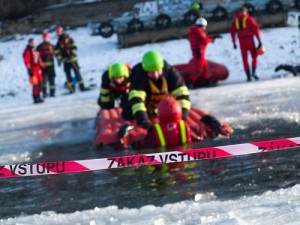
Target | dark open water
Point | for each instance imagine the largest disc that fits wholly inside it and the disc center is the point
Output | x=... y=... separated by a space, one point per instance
x=227 y=178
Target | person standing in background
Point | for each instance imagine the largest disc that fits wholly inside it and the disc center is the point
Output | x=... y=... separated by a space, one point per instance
x=246 y=27
x=46 y=50
x=66 y=52
x=198 y=41
x=34 y=65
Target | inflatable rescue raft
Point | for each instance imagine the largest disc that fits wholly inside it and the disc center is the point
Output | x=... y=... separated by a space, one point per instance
x=203 y=126
x=217 y=72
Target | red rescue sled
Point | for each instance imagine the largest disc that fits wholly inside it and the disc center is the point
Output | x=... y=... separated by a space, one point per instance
x=110 y=121
x=217 y=72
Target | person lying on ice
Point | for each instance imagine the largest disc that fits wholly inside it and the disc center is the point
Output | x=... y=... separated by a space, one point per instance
x=66 y=52
x=246 y=27
x=153 y=80
x=34 y=65
x=171 y=129
x=115 y=85
x=292 y=69
x=198 y=41
x=46 y=50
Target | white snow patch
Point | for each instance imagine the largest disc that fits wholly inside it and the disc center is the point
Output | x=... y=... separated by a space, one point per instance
x=272 y=207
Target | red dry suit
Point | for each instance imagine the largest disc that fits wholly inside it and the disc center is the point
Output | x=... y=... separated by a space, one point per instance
x=245 y=27
x=34 y=64
x=198 y=41
x=167 y=134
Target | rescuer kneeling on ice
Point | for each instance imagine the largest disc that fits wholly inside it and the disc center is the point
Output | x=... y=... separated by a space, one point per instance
x=34 y=66
x=171 y=129
x=115 y=85
x=153 y=80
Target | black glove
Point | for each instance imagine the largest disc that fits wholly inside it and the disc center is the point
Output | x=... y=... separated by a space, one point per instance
x=217 y=36
x=59 y=62
x=30 y=72
x=146 y=125
x=259 y=44
x=234 y=46
x=212 y=121
x=198 y=53
x=124 y=130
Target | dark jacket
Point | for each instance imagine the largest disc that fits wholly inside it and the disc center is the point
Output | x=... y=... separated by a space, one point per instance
x=140 y=94
x=110 y=92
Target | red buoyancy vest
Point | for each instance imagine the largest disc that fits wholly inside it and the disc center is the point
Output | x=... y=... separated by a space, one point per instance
x=46 y=50
x=198 y=38
x=47 y=53
x=245 y=26
x=32 y=58
x=120 y=88
x=172 y=134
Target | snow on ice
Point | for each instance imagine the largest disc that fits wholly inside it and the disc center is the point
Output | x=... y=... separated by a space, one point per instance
x=95 y=54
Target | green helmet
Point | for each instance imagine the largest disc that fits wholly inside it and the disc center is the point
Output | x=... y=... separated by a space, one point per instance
x=152 y=61
x=118 y=70
x=195 y=6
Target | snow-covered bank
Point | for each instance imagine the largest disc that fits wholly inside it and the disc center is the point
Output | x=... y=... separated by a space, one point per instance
x=271 y=208
x=96 y=53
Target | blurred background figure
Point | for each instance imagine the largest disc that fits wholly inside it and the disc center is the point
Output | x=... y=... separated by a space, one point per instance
x=46 y=50
x=34 y=65
x=246 y=27
x=198 y=41
x=66 y=52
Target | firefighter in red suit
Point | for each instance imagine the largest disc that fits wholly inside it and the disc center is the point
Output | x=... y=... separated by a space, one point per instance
x=246 y=27
x=198 y=41
x=171 y=129
x=46 y=50
x=34 y=66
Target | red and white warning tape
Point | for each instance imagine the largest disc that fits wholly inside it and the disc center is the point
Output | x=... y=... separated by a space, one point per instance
x=38 y=169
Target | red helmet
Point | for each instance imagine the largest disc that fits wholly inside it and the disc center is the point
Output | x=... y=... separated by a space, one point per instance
x=46 y=34
x=169 y=110
x=260 y=51
x=59 y=29
x=33 y=80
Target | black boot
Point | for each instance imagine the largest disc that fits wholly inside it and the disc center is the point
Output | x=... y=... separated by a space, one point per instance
x=39 y=100
x=82 y=88
x=248 y=76
x=208 y=83
x=52 y=92
x=254 y=73
x=71 y=87
x=45 y=92
x=189 y=84
x=34 y=99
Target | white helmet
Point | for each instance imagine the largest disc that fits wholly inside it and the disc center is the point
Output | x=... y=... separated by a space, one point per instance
x=201 y=22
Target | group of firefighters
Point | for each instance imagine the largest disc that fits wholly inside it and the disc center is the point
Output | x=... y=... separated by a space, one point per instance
x=152 y=88
x=40 y=64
